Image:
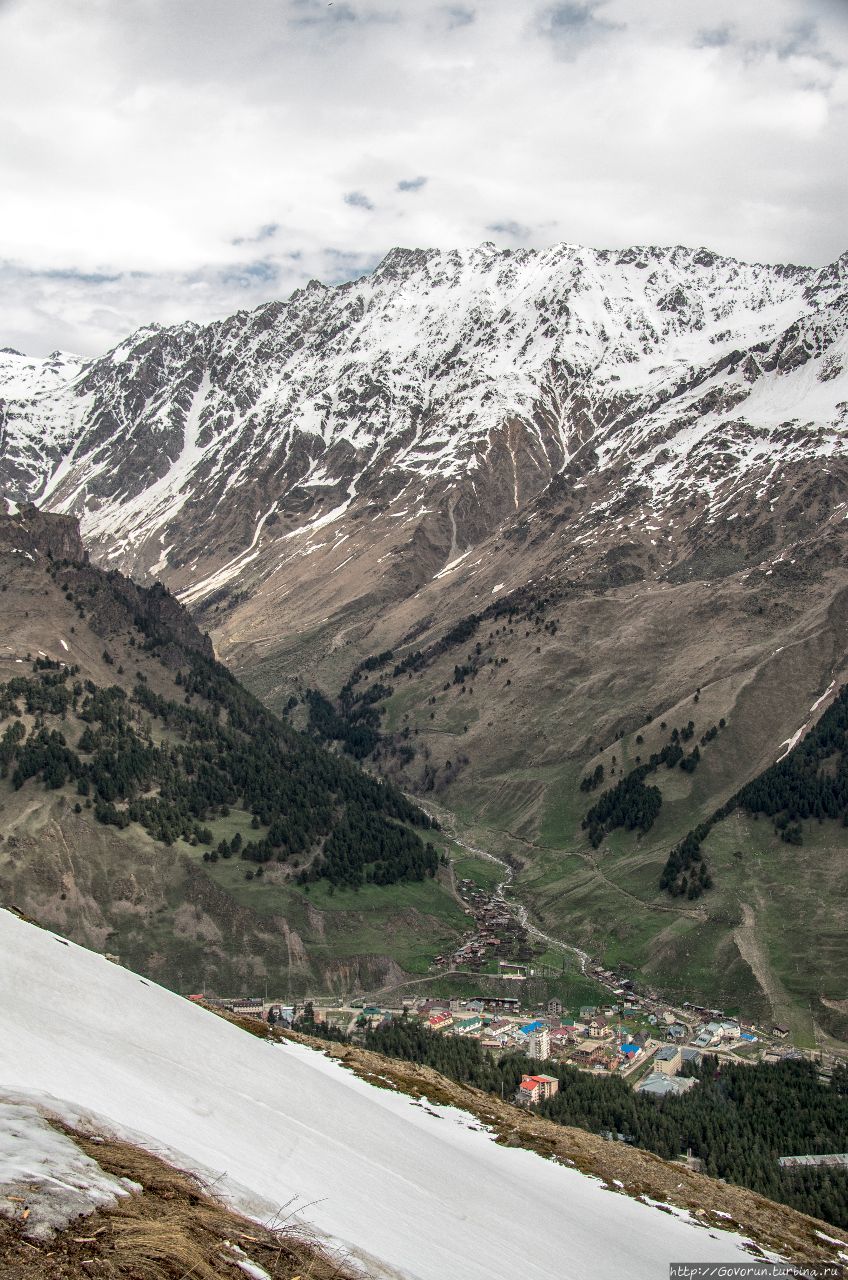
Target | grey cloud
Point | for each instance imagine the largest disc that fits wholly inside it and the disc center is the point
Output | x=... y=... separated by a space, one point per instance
x=313 y=13
x=801 y=37
x=515 y=230
x=411 y=184
x=310 y=13
x=265 y=232
x=264 y=272
x=574 y=26
x=88 y=312
x=342 y=266
x=357 y=200
x=798 y=39
x=805 y=38
x=713 y=38
x=458 y=16
x=78 y=277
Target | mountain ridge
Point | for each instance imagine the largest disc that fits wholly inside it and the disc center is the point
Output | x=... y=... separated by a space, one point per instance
x=149 y=802
x=501 y=363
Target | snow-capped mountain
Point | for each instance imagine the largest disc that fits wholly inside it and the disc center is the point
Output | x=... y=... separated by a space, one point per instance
x=443 y=394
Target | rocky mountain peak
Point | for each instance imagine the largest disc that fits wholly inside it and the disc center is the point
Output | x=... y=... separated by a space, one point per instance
x=432 y=403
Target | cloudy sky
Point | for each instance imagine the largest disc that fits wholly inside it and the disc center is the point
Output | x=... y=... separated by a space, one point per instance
x=172 y=159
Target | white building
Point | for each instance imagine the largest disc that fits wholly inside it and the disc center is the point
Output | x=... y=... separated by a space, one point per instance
x=539 y=1044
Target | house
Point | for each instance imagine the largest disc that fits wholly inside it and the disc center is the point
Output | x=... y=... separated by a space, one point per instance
x=535 y=1089
x=508 y=1004
x=676 y=1031
x=465 y=1026
x=597 y=1027
x=247 y=1007
x=498 y=1026
x=554 y=1007
x=562 y=1036
x=692 y=1056
x=588 y=1053
x=440 y=1021
x=587 y=1011
x=668 y=1060
x=780 y=1032
x=630 y=1051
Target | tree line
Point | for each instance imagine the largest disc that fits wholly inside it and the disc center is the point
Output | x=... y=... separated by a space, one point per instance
x=317 y=809
x=809 y=782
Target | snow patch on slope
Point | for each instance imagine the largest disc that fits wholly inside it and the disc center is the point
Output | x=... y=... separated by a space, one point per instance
x=45 y=1179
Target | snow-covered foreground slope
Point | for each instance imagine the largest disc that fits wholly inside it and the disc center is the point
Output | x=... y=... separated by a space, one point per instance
x=415 y=1192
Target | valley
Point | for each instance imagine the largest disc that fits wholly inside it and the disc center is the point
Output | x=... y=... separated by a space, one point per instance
x=423 y=640
x=494 y=524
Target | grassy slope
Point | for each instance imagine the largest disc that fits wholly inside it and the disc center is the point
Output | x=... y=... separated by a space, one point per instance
x=192 y=925
x=616 y=659
x=198 y=926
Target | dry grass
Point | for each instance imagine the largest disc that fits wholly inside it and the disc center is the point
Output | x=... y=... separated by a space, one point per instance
x=173 y=1230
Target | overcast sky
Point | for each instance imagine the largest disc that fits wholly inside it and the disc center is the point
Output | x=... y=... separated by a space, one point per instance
x=172 y=159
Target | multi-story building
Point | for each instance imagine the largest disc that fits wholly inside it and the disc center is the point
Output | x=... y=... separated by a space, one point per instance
x=535 y=1089
x=539 y=1044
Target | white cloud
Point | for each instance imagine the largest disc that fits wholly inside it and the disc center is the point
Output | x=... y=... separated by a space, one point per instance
x=204 y=156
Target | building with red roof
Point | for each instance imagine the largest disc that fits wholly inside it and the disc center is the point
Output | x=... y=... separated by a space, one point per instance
x=534 y=1089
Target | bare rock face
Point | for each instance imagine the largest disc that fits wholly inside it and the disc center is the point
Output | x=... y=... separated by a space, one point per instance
x=55 y=536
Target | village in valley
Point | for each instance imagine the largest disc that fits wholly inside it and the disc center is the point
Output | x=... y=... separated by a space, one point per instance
x=630 y=1031
x=637 y=1036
